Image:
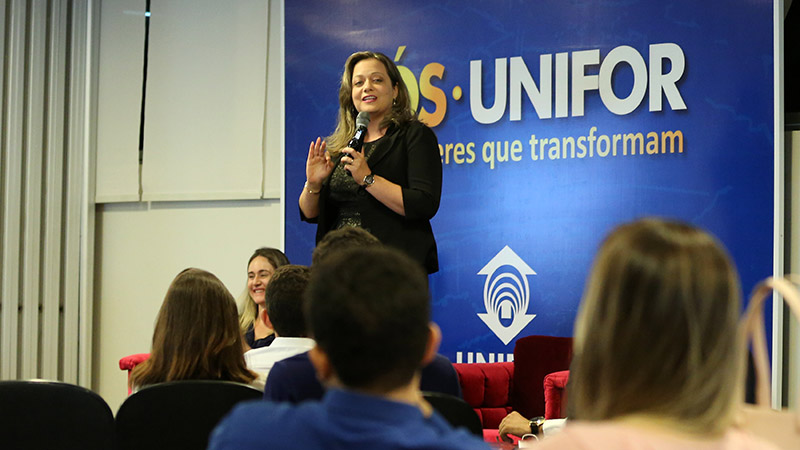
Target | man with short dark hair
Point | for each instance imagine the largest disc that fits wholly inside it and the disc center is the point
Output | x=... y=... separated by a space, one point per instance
x=369 y=311
x=346 y=238
x=294 y=379
x=285 y=314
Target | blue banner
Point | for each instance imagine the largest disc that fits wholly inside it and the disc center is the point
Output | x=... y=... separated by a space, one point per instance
x=556 y=122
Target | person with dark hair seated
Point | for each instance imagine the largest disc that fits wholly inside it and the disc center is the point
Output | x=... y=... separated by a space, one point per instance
x=293 y=379
x=340 y=240
x=196 y=335
x=372 y=326
x=283 y=313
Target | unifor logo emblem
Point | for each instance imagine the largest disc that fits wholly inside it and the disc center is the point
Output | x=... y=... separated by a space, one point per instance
x=506 y=295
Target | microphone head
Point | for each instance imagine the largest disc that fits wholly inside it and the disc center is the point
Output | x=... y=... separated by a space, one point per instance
x=362 y=120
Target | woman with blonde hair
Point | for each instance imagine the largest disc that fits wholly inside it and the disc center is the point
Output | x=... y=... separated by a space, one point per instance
x=260 y=267
x=392 y=185
x=656 y=361
x=196 y=335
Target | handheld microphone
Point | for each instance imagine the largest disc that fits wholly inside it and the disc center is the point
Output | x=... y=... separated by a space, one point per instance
x=362 y=120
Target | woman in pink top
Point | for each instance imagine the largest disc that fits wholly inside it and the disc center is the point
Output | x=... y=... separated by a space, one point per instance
x=656 y=363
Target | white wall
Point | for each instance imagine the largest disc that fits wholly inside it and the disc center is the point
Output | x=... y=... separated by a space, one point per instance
x=140 y=247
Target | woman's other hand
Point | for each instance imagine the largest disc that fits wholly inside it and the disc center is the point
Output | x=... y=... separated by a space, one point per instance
x=355 y=164
x=386 y=192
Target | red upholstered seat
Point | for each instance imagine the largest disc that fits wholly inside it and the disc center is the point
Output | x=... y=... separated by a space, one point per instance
x=496 y=389
x=131 y=361
x=534 y=358
x=487 y=387
x=555 y=395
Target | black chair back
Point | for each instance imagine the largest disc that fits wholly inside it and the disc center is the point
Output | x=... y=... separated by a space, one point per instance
x=456 y=411
x=40 y=414
x=177 y=415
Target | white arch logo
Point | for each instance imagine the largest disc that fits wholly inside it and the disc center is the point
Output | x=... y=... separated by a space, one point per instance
x=506 y=294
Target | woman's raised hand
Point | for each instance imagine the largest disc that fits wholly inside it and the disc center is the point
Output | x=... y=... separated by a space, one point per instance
x=318 y=164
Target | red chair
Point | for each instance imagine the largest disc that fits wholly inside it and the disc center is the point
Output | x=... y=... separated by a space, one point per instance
x=555 y=395
x=131 y=361
x=495 y=389
x=534 y=358
x=487 y=387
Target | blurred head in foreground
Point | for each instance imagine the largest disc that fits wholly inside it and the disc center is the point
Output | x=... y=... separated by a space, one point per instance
x=655 y=335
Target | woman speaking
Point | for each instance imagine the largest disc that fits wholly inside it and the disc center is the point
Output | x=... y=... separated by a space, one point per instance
x=391 y=185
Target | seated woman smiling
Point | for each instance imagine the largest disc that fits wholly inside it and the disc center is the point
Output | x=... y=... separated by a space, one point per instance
x=196 y=335
x=260 y=267
x=656 y=363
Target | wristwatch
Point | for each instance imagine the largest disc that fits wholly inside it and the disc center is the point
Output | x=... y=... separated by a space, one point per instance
x=369 y=180
x=536 y=425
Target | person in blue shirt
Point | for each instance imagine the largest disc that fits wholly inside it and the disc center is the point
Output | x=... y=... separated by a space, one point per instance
x=294 y=379
x=369 y=312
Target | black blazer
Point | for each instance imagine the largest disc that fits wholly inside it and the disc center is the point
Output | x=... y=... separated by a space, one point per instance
x=408 y=155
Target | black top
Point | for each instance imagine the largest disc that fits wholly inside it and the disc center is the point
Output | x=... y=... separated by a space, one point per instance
x=344 y=193
x=408 y=155
x=250 y=338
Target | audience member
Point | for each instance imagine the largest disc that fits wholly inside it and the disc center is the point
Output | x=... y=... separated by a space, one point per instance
x=372 y=326
x=656 y=362
x=293 y=379
x=260 y=267
x=284 y=314
x=196 y=336
x=340 y=240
